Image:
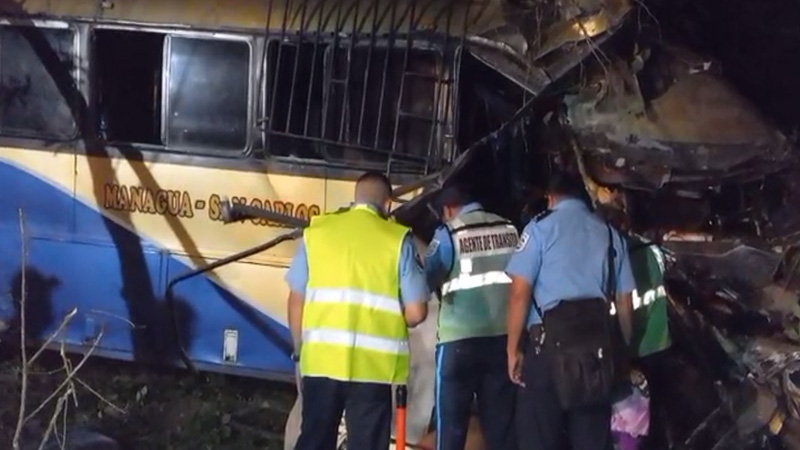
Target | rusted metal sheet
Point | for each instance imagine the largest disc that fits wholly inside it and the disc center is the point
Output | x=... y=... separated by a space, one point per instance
x=577 y=27
x=493 y=20
x=49 y=8
x=398 y=16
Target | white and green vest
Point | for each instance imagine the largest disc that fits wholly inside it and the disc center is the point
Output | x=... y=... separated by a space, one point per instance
x=475 y=295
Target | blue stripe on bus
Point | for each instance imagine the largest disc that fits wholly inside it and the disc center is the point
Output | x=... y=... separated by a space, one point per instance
x=67 y=269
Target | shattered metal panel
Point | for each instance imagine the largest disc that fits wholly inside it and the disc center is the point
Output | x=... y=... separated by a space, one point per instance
x=694 y=121
x=729 y=259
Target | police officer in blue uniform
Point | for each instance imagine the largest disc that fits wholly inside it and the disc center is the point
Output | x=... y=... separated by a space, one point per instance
x=561 y=256
x=467 y=259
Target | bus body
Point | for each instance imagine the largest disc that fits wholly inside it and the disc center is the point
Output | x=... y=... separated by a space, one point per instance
x=125 y=124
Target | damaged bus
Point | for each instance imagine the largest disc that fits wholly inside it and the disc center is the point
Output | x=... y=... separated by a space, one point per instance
x=159 y=158
x=124 y=126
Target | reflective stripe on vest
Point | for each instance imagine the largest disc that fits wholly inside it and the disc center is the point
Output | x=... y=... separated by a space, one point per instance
x=475 y=296
x=353 y=296
x=350 y=339
x=353 y=326
x=465 y=281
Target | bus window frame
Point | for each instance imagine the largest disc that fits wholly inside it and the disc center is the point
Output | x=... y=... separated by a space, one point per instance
x=164 y=148
x=165 y=109
x=77 y=60
x=361 y=43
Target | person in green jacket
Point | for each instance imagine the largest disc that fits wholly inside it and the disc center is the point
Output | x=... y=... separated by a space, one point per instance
x=651 y=339
x=650 y=324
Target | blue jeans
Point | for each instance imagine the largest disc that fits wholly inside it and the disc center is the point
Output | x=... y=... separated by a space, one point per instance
x=465 y=369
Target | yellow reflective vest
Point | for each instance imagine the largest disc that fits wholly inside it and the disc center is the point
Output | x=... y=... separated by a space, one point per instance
x=353 y=324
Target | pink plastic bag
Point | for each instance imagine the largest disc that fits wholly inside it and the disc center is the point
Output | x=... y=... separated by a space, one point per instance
x=631 y=415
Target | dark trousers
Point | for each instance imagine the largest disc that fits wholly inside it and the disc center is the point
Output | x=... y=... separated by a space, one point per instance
x=543 y=425
x=467 y=368
x=368 y=414
x=659 y=371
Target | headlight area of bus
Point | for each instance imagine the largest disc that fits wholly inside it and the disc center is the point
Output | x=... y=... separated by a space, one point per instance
x=179 y=203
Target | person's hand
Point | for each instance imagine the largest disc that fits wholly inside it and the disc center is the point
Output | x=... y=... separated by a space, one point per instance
x=298 y=378
x=515 y=367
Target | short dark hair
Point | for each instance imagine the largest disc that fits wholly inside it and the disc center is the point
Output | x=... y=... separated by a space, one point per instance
x=376 y=178
x=564 y=184
x=454 y=195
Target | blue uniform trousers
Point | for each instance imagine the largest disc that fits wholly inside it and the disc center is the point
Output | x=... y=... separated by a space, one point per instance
x=467 y=368
x=543 y=425
x=368 y=414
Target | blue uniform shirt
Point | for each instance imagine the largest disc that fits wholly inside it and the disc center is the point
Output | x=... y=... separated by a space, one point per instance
x=563 y=257
x=439 y=258
x=412 y=278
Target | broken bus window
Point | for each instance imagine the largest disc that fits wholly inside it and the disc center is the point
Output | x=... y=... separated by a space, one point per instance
x=207 y=94
x=129 y=84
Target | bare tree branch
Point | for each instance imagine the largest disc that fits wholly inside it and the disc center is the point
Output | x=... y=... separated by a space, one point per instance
x=102 y=399
x=67 y=319
x=68 y=379
x=59 y=406
x=23 y=349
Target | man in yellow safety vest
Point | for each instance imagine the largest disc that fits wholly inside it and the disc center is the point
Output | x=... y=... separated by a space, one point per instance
x=356 y=285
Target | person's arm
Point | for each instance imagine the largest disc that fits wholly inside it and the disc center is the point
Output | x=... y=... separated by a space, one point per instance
x=624 y=305
x=439 y=258
x=414 y=292
x=297 y=279
x=625 y=285
x=518 y=305
x=522 y=268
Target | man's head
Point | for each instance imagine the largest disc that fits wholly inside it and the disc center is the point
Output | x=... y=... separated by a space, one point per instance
x=374 y=188
x=452 y=199
x=562 y=185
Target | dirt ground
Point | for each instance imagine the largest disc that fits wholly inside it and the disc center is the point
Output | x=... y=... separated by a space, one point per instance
x=150 y=409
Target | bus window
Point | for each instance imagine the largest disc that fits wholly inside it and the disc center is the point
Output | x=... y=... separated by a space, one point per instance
x=296 y=81
x=344 y=105
x=360 y=115
x=129 y=66
x=31 y=104
x=207 y=98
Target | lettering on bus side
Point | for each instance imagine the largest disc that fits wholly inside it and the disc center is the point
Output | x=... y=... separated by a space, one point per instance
x=148 y=201
x=176 y=203
x=300 y=211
